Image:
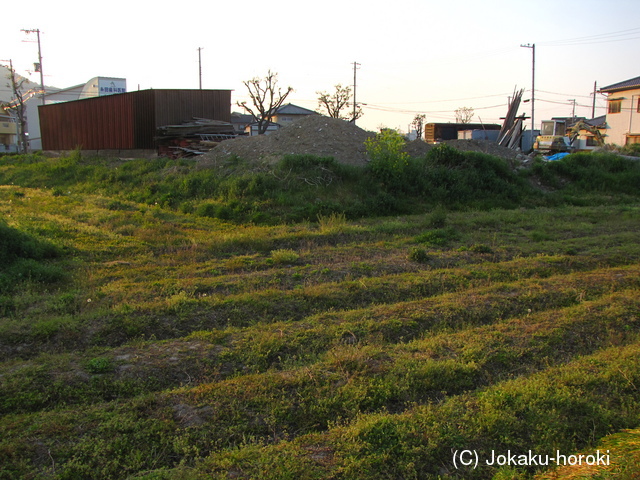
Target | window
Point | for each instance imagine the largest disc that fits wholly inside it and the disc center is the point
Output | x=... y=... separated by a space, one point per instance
x=591 y=142
x=638 y=109
x=615 y=105
x=633 y=139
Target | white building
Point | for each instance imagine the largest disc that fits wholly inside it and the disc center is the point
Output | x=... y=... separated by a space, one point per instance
x=623 y=112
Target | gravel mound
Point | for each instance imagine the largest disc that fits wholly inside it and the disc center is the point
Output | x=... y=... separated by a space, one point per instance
x=313 y=135
x=330 y=137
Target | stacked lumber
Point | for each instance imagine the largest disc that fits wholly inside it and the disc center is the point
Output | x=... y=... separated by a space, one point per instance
x=513 y=126
x=192 y=138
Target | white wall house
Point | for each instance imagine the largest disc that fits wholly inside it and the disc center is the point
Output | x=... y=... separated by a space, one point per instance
x=289 y=113
x=623 y=112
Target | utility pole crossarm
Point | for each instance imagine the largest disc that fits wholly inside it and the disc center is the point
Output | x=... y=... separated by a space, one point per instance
x=37 y=31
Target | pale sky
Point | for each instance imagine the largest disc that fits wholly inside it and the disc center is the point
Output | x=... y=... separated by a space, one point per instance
x=415 y=56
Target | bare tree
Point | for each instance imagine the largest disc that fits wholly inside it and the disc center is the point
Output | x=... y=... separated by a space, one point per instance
x=337 y=102
x=266 y=97
x=464 y=115
x=418 y=124
x=18 y=105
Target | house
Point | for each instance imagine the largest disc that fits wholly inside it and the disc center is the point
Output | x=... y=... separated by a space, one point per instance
x=289 y=113
x=285 y=115
x=252 y=128
x=623 y=112
x=240 y=122
x=8 y=132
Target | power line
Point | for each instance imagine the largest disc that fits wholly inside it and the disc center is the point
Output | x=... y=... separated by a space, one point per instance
x=448 y=100
x=600 y=38
x=565 y=94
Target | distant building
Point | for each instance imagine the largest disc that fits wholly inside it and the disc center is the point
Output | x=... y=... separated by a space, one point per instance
x=8 y=133
x=438 y=132
x=285 y=115
x=623 y=112
x=289 y=113
x=240 y=122
x=96 y=87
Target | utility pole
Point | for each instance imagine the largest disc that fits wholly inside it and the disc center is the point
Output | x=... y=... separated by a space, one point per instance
x=533 y=87
x=200 y=66
x=573 y=100
x=355 y=67
x=593 y=108
x=39 y=66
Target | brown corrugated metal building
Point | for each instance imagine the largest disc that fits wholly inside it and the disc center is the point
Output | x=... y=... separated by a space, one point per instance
x=126 y=121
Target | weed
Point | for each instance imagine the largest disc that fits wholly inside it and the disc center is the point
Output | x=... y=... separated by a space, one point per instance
x=99 y=365
x=332 y=223
x=284 y=256
x=419 y=255
x=438 y=237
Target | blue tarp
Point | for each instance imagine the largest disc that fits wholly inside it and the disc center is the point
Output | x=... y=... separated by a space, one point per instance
x=557 y=156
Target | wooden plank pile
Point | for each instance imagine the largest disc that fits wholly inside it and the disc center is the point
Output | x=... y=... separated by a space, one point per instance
x=192 y=138
x=513 y=126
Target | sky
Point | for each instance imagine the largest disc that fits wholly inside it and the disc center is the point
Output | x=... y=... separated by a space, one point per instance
x=413 y=57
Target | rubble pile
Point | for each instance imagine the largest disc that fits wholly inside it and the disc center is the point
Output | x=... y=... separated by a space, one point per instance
x=313 y=135
x=329 y=137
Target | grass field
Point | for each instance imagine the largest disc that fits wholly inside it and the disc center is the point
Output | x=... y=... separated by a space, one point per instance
x=141 y=339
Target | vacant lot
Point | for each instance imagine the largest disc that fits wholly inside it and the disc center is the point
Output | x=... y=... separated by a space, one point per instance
x=138 y=340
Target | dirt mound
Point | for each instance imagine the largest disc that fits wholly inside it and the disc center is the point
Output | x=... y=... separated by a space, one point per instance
x=329 y=137
x=313 y=135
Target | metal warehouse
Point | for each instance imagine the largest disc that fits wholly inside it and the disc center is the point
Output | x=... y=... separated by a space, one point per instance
x=126 y=121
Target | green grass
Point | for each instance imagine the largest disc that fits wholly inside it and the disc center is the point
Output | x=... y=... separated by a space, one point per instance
x=176 y=343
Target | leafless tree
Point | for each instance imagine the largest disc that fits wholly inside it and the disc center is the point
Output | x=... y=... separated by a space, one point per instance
x=338 y=102
x=464 y=115
x=418 y=124
x=18 y=105
x=266 y=98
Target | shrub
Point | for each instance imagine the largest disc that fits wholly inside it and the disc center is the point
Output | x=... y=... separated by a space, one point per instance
x=389 y=161
x=438 y=217
x=419 y=255
x=438 y=237
x=632 y=149
x=591 y=172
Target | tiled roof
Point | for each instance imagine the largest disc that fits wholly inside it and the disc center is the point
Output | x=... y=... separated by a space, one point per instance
x=291 y=109
x=627 y=84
